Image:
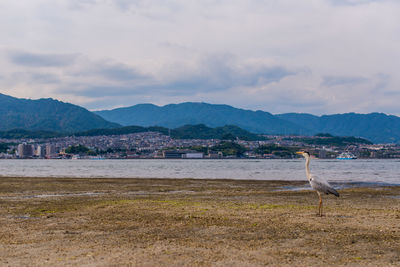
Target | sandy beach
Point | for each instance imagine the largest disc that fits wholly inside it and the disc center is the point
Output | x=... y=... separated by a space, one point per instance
x=186 y=222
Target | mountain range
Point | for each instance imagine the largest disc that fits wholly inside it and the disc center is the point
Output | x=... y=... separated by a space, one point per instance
x=48 y=115
x=377 y=127
x=53 y=115
x=176 y=115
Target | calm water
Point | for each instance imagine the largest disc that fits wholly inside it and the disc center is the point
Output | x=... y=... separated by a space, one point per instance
x=385 y=171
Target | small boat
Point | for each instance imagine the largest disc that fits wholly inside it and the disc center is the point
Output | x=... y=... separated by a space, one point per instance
x=97 y=158
x=346 y=156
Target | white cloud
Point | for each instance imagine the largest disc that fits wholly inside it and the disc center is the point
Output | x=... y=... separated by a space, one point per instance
x=319 y=56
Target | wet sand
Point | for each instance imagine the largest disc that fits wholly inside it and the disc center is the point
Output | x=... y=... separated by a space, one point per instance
x=185 y=222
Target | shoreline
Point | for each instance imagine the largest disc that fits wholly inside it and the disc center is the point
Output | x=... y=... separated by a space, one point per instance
x=193 y=222
x=337 y=184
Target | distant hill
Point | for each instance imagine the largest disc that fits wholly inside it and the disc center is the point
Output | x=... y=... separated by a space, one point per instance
x=26 y=134
x=177 y=115
x=122 y=130
x=199 y=131
x=377 y=127
x=330 y=140
x=47 y=115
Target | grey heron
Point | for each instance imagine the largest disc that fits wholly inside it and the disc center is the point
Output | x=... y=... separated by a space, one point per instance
x=317 y=183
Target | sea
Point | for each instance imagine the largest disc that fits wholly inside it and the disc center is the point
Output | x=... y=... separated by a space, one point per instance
x=385 y=171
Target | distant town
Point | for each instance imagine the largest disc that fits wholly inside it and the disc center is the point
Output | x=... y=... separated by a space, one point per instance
x=155 y=145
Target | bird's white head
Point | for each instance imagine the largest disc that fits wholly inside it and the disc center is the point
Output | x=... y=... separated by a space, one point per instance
x=305 y=154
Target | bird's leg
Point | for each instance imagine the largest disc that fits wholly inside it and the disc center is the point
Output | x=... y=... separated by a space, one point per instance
x=320 y=204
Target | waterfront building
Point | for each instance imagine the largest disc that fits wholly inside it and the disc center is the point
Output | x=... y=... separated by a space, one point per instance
x=25 y=151
x=40 y=151
x=51 y=151
x=322 y=154
x=215 y=155
x=182 y=154
x=193 y=155
x=173 y=154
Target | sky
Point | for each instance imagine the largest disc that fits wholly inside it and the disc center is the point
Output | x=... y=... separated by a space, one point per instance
x=313 y=56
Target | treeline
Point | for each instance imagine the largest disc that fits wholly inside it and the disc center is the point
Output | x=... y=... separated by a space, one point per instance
x=200 y=131
x=330 y=140
x=278 y=151
x=25 y=134
x=5 y=146
x=122 y=130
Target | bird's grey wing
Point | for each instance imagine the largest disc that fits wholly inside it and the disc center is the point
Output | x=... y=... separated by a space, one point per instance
x=321 y=185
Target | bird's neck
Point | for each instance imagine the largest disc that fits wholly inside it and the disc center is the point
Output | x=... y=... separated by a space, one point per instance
x=308 y=174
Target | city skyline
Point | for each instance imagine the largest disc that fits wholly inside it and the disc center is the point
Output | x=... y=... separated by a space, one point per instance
x=319 y=57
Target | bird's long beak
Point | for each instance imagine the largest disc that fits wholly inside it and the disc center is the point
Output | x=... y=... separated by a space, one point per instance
x=299 y=152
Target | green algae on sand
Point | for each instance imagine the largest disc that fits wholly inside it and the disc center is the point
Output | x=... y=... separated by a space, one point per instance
x=186 y=222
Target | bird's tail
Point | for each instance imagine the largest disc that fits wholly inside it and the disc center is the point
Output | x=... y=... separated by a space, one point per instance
x=333 y=192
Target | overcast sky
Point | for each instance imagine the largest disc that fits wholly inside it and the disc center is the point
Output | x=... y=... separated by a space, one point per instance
x=314 y=56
